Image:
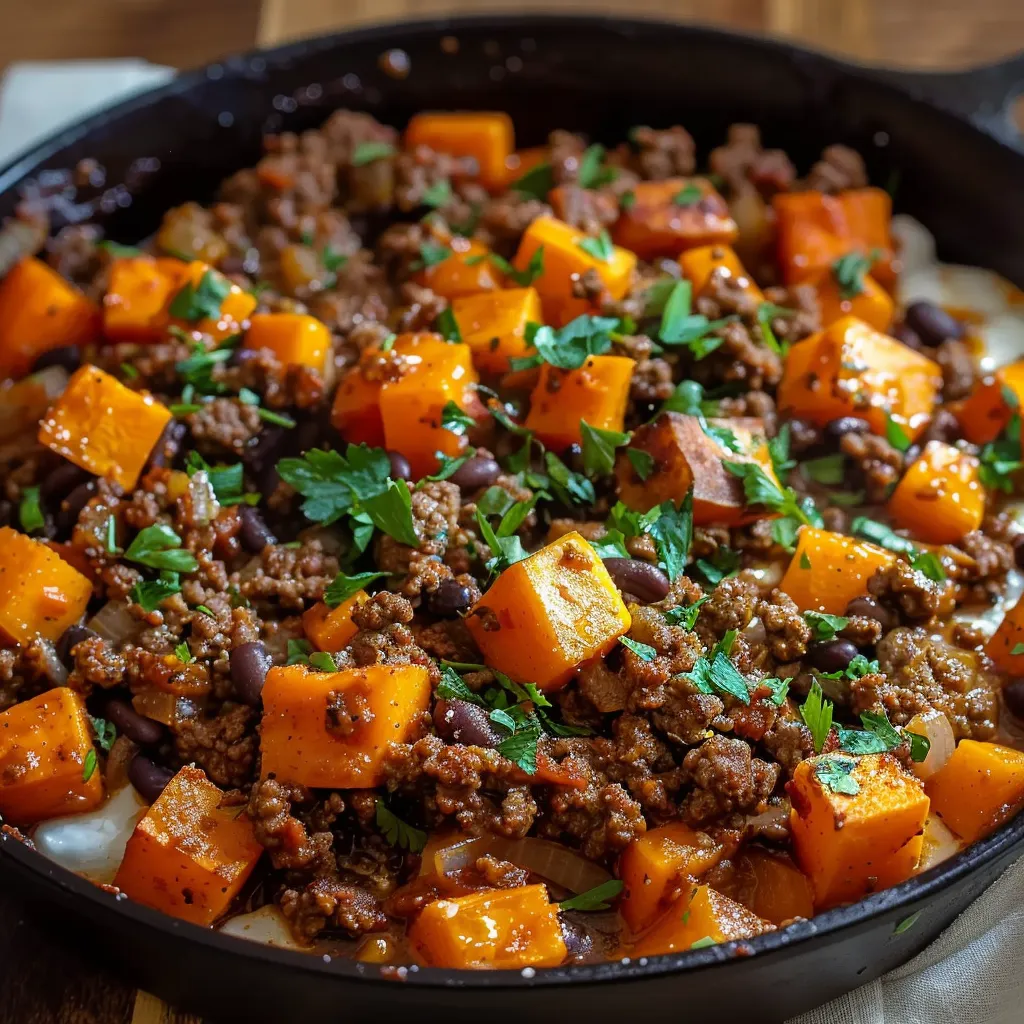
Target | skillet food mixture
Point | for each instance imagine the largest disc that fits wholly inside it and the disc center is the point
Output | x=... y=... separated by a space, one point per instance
x=436 y=553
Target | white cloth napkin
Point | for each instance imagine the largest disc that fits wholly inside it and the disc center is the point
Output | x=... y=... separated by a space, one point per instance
x=970 y=975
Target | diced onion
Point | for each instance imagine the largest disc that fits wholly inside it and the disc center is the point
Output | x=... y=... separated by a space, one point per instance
x=203 y=500
x=935 y=727
x=114 y=622
x=53 y=380
x=158 y=705
x=55 y=669
x=939 y=843
x=775 y=820
x=750 y=212
x=266 y=925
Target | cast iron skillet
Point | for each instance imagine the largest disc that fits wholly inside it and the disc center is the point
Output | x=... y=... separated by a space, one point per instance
x=959 y=173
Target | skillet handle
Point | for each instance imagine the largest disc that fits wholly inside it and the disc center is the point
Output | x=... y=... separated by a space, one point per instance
x=984 y=95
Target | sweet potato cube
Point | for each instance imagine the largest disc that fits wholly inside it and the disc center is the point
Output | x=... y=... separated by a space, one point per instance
x=332 y=729
x=522 y=162
x=504 y=929
x=493 y=325
x=686 y=456
x=985 y=413
x=597 y=392
x=657 y=866
x=1004 y=646
x=940 y=497
x=296 y=339
x=850 y=369
x=546 y=615
x=40 y=593
x=828 y=570
x=487 y=136
x=139 y=291
x=466 y=271
x=872 y=303
x=701 y=914
x=235 y=306
x=850 y=845
x=45 y=767
x=188 y=855
x=355 y=413
x=699 y=264
x=769 y=885
x=40 y=311
x=330 y=629
x=566 y=262
x=669 y=216
x=979 y=788
x=104 y=427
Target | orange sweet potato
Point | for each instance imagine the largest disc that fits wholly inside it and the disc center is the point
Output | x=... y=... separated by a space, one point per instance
x=984 y=413
x=235 y=307
x=813 y=230
x=505 y=929
x=656 y=225
x=769 y=885
x=699 y=264
x=546 y=615
x=655 y=868
x=298 y=743
x=493 y=325
x=1006 y=639
x=40 y=593
x=487 y=136
x=45 y=765
x=104 y=427
x=355 y=413
x=40 y=311
x=850 y=369
x=696 y=916
x=296 y=339
x=564 y=262
x=684 y=457
x=597 y=392
x=978 y=788
x=330 y=629
x=851 y=845
x=139 y=291
x=940 y=498
x=522 y=162
x=828 y=570
x=872 y=303
x=466 y=271
x=188 y=855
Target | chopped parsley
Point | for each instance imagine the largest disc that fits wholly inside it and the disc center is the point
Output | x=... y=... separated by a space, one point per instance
x=506 y=548
x=680 y=326
x=227 y=481
x=183 y=654
x=570 y=346
x=323 y=661
x=106 y=732
x=447 y=326
x=431 y=253
x=202 y=301
x=455 y=419
x=816 y=712
x=569 y=488
x=150 y=594
x=30 y=512
x=689 y=195
x=643 y=463
x=825 y=626
x=627 y=200
x=600 y=246
x=397 y=832
x=159 y=547
x=599 y=448
x=197 y=373
x=836 y=773
x=723 y=563
x=111 y=538
x=89 y=765
x=1001 y=458
x=437 y=194
x=594 y=899
x=686 y=616
x=805 y=561
x=645 y=652
x=760 y=489
x=906 y=924
x=778 y=451
x=277 y=418
x=896 y=434
x=849 y=271
x=367 y=152
x=119 y=251
x=342 y=587
x=703 y=942
x=672 y=533
x=919 y=745
x=929 y=564
x=829 y=469
x=766 y=313
x=715 y=673
x=779 y=689
x=536 y=182
x=859 y=667
x=591 y=172
x=298 y=652
x=880 y=534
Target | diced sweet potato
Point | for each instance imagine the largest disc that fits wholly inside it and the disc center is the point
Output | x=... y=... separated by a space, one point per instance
x=872 y=303
x=1007 y=638
x=235 y=306
x=139 y=290
x=45 y=764
x=597 y=392
x=522 y=162
x=296 y=339
x=828 y=570
x=769 y=885
x=505 y=929
x=487 y=136
x=850 y=369
x=188 y=855
x=355 y=413
x=103 y=426
x=657 y=866
x=330 y=629
x=940 y=498
x=657 y=224
x=979 y=788
x=564 y=262
x=466 y=271
x=40 y=593
x=332 y=729
x=699 y=264
x=686 y=456
x=984 y=413
x=852 y=845
x=547 y=614
x=696 y=916
x=493 y=325
x=40 y=311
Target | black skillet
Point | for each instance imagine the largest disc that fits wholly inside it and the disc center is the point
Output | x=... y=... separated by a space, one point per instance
x=950 y=140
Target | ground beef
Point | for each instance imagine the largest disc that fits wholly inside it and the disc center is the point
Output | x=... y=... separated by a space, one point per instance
x=726 y=778
x=224 y=425
x=504 y=219
x=732 y=604
x=664 y=154
x=280 y=832
x=95 y=663
x=958 y=369
x=789 y=742
x=327 y=901
x=590 y=210
x=224 y=745
x=838 y=169
x=742 y=358
x=742 y=162
x=786 y=631
x=291 y=576
x=909 y=592
x=878 y=464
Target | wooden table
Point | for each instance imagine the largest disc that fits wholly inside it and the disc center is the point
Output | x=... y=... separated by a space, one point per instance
x=42 y=983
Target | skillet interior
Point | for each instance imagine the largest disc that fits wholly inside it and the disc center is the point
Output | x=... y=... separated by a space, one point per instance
x=598 y=76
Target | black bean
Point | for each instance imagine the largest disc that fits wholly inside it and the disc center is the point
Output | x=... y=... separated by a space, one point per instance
x=400 y=468
x=1013 y=696
x=67 y=356
x=578 y=941
x=166 y=449
x=262 y=457
x=479 y=471
x=71 y=507
x=906 y=334
x=148 y=777
x=450 y=598
x=250 y=664
x=254 y=534
x=644 y=581
x=836 y=429
x=71 y=636
x=869 y=608
x=831 y=655
x=465 y=723
x=931 y=323
x=573 y=457
x=64 y=479
x=1018 y=551
x=144 y=731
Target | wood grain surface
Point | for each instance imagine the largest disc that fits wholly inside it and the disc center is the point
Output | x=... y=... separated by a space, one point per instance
x=41 y=983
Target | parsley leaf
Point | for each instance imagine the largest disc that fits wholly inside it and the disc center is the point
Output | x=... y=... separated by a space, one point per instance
x=1001 y=458
x=919 y=745
x=836 y=773
x=521 y=748
x=761 y=489
x=227 y=481
x=202 y=301
x=323 y=661
x=672 y=532
x=119 y=251
x=880 y=534
x=536 y=182
x=570 y=488
x=896 y=435
x=859 y=666
x=437 y=194
x=30 y=512
x=689 y=195
x=778 y=451
x=591 y=173
x=825 y=626
x=569 y=347
x=183 y=654
x=447 y=326
x=397 y=832
x=849 y=271
x=456 y=419
x=600 y=247
x=599 y=448
x=906 y=924
x=89 y=765
x=928 y=563
x=524 y=278
x=431 y=253
x=717 y=674
x=106 y=732
x=366 y=152
x=197 y=372
x=150 y=594
x=390 y=510
x=298 y=652
x=679 y=326
x=594 y=899
x=643 y=651
x=627 y=200
x=766 y=313
x=816 y=712
x=829 y=469
x=778 y=687
x=342 y=587
x=724 y=562
x=686 y=616
x=642 y=462
x=159 y=547
x=506 y=548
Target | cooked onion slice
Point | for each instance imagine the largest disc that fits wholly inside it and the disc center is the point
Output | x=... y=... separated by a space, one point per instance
x=939 y=843
x=936 y=728
x=266 y=925
x=114 y=622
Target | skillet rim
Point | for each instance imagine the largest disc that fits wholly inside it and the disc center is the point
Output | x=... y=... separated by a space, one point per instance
x=63 y=884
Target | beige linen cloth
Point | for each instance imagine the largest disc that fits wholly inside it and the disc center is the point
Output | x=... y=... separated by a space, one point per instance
x=972 y=974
